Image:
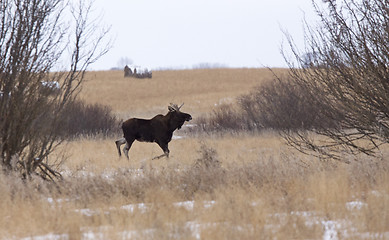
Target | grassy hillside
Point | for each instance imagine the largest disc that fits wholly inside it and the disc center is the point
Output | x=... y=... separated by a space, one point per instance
x=213 y=186
x=199 y=89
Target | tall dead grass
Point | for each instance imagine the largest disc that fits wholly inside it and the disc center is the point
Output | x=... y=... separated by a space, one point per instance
x=210 y=195
x=230 y=186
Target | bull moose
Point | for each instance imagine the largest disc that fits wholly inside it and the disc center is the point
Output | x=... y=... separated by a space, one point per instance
x=159 y=129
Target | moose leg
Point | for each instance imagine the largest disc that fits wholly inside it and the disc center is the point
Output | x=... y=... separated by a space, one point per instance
x=127 y=147
x=165 y=149
x=120 y=142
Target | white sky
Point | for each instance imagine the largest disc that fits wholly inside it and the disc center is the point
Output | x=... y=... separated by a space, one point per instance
x=183 y=33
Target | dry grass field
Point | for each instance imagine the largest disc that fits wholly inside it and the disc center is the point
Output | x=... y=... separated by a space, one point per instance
x=198 y=89
x=213 y=186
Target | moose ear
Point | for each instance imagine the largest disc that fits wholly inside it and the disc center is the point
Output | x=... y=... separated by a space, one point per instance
x=171 y=109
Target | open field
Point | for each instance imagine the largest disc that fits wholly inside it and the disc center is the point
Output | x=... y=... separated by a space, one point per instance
x=199 y=89
x=230 y=186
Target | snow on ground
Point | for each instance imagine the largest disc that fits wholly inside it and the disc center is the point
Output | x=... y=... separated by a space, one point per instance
x=332 y=228
x=142 y=207
x=355 y=205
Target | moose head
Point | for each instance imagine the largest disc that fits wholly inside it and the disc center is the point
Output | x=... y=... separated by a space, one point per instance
x=177 y=118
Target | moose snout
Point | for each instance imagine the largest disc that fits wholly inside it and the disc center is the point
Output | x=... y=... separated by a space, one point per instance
x=189 y=118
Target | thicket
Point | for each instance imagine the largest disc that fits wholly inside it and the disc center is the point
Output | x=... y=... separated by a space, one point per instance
x=347 y=78
x=277 y=104
x=37 y=40
x=336 y=88
x=88 y=119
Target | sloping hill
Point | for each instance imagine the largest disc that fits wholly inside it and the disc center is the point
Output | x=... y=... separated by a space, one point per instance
x=200 y=89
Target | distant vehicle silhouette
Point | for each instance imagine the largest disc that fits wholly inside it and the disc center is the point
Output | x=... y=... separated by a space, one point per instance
x=137 y=72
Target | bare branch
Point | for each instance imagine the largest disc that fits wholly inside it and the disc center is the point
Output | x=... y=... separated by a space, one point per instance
x=33 y=39
x=347 y=78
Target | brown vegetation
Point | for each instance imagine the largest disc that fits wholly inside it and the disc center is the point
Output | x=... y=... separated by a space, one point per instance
x=221 y=183
x=235 y=185
x=34 y=37
x=199 y=89
x=343 y=72
x=206 y=190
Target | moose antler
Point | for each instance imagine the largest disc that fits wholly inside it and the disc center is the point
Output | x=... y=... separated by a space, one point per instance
x=175 y=107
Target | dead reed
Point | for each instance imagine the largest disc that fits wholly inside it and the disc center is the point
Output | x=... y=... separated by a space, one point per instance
x=209 y=195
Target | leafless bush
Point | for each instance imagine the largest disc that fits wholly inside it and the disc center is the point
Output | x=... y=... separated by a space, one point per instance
x=348 y=77
x=88 y=119
x=223 y=118
x=281 y=105
x=278 y=104
x=205 y=174
x=208 y=158
x=33 y=40
x=341 y=95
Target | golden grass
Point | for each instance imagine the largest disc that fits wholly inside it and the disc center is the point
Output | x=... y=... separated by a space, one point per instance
x=256 y=193
x=97 y=155
x=267 y=194
x=198 y=89
x=261 y=189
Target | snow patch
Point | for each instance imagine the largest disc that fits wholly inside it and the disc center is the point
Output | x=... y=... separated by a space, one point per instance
x=142 y=207
x=355 y=205
x=188 y=205
x=330 y=230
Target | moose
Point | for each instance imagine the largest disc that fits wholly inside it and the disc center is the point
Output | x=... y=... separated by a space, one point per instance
x=159 y=129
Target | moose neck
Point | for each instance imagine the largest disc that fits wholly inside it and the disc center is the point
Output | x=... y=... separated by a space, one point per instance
x=171 y=123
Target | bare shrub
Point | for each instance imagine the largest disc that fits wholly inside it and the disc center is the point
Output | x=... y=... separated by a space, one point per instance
x=335 y=101
x=348 y=79
x=205 y=174
x=33 y=40
x=88 y=119
x=208 y=159
x=277 y=104
x=225 y=117
x=280 y=104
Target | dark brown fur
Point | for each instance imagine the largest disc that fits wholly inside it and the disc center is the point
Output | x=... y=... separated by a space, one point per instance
x=159 y=129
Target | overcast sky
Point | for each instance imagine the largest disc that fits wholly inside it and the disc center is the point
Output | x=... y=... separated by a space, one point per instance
x=183 y=33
